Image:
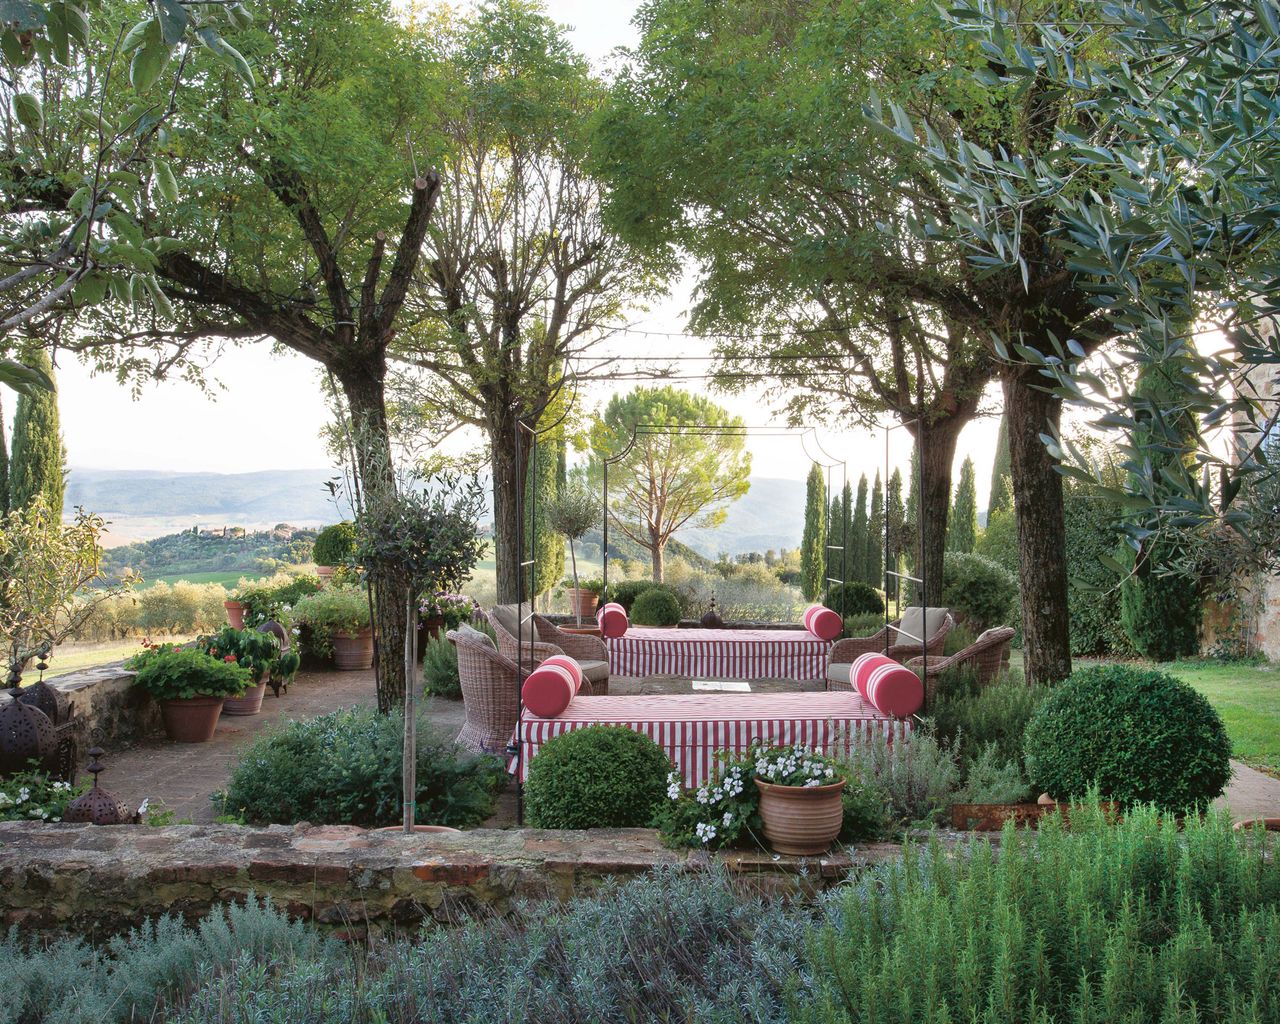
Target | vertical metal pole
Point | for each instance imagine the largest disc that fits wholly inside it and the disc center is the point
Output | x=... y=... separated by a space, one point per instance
x=519 y=744
x=920 y=506
x=604 y=537
x=884 y=518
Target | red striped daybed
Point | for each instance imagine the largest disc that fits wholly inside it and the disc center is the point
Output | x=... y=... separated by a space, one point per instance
x=690 y=728
x=719 y=653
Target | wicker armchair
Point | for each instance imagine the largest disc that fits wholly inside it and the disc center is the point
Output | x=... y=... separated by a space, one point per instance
x=988 y=656
x=490 y=694
x=547 y=640
x=845 y=652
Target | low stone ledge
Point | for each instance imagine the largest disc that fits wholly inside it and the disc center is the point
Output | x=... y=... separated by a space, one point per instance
x=95 y=881
x=113 y=712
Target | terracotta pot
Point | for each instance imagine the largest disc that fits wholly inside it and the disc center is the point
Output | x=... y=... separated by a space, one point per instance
x=249 y=703
x=191 y=719
x=235 y=614
x=429 y=629
x=1270 y=824
x=325 y=572
x=799 y=821
x=581 y=630
x=582 y=603
x=353 y=652
x=417 y=828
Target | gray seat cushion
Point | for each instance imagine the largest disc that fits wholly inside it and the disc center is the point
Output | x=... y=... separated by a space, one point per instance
x=510 y=617
x=917 y=624
x=838 y=671
x=596 y=671
x=476 y=634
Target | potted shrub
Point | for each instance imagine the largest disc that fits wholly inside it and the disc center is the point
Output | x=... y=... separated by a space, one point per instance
x=801 y=805
x=334 y=547
x=340 y=622
x=584 y=596
x=440 y=613
x=251 y=649
x=235 y=612
x=190 y=686
x=573 y=512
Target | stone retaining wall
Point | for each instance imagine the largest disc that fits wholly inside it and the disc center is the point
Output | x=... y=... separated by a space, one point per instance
x=95 y=881
x=113 y=713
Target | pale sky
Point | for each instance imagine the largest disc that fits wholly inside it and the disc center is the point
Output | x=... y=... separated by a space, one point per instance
x=270 y=411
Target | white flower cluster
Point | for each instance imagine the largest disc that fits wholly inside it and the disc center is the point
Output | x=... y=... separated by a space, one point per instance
x=797 y=766
x=673 y=786
x=705 y=831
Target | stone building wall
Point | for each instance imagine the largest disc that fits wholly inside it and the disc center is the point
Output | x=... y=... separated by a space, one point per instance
x=1266 y=602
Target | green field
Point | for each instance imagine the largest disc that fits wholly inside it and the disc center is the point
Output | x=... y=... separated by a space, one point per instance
x=227 y=577
x=1248 y=699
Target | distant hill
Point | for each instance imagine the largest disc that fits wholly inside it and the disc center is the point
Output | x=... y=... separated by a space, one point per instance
x=769 y=515
x=196 y=554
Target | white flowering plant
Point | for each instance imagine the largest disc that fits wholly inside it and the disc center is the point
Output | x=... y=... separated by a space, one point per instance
x=34 y=796
x=725 y=810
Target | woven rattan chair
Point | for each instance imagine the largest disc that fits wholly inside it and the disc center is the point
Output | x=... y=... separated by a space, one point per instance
x=988 y=656
x=845 y=652
x=490 y=693
x=589 y=651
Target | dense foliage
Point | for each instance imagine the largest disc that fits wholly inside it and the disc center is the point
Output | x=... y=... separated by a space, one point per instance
x=38 y=459
x=335 y=545
x=440 y=662
x=35 y=796
x=252 y=649
x=603 y=776
x=274 y=599
x=855 y=598
x=656 y=607
x=975 y=719
x=345 y=768
x=334 y=610
x=1094 y=602
x=626 y=592
x=978 y=591
x=813 y=540
x=173 y=673
x=1136 y=734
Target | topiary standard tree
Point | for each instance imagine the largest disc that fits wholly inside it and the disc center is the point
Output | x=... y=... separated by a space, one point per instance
x=573 y=514
x=962 y=525
x=813 y=543
x=1138 y=735
x=37 y=464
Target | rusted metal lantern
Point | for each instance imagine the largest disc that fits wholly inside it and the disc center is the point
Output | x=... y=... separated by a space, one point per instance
x=98 y=807
x=26 y=733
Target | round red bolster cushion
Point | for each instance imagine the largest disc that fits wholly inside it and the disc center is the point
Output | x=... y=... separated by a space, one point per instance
x=823 y=622
x=895 y=690
x=567 y=662
x=548 y=689
x=861 y=669
x=612 y=619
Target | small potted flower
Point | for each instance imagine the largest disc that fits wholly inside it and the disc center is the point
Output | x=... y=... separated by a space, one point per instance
x=801 y=806
x=250 y=649
x=190 y=686
x=340 y=622
x=441 y=612
x=334 y=547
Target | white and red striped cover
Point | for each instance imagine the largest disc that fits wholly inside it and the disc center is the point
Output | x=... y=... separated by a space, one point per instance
x=719 y=653
x=690 y=728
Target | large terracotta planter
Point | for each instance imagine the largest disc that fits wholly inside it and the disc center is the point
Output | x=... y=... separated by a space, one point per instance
x=582 y=603
x=191 y=719
x=799 y=821
x=325 y=572
x=235 y=614
x=581 y=630
x=248 y=703
x=417 y=828
x=351 y=653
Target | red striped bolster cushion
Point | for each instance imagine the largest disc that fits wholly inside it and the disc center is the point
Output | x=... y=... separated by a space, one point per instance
x=564 y=661
x=895 y=690
x=861 y=669
x=548 y=689
x=823 y=622
x=613 y=620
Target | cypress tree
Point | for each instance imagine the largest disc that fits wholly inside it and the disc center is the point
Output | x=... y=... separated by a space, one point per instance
x=812 y=560
x=835 y=556
x=874 y=564
x=911 y=518
x=4 y=466
x=962 y=524
x=1001 y=496
x=1161 y=612
x=895 y=527
x=37 y=462
x=858 y=534
x=542 y=544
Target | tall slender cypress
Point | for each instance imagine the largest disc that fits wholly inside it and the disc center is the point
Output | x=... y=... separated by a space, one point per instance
x=542 y=544
x=37 y=463
x=962 y=524
x=874 y=564
x=812 y=560
x=896 y=529
x=1001 y=497
x=858 y=534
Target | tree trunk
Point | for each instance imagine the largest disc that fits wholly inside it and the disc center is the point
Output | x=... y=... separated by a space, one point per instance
x=1042 y=536
x=508 y=472
x=366 y=398
x=657 y=550
x=937 y=454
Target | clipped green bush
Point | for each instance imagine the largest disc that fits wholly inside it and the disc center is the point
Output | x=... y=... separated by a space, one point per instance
x=866 y=624
x=626 y=592
x=1138 y=735
x=336 y=544
x=656 y=607
x=978 y=591
x=344 y=768
x=603 y=776
x=855 y=598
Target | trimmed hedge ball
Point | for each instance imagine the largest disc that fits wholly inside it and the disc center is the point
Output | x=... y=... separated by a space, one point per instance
x=1140 y=735
x=602 y=776
x=656 y=607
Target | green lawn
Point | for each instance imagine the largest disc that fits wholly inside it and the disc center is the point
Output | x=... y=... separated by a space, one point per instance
x=1248 y=699
x=227 y=577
